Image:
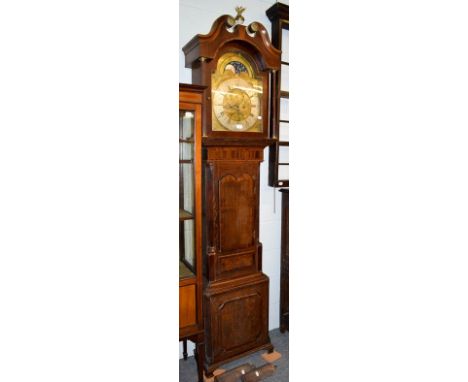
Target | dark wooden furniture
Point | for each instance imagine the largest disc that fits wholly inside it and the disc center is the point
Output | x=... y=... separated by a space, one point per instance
x=278 y=163
x=236 y=293
x=190 y=221
x=284 y=277
x=279 y=151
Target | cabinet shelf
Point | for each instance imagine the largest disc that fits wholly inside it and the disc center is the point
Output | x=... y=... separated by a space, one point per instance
x=284 y=94
x=184 y=271
x=185 y=160
x=185 y=215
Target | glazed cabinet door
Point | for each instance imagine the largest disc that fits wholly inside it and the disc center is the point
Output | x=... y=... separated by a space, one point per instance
x=190 y=275
x=187 y=258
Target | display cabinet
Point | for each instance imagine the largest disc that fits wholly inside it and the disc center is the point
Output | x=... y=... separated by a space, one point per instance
x=190 y=220
x=279 y=151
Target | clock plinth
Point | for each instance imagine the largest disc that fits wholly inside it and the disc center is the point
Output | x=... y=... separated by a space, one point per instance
x=237 y=316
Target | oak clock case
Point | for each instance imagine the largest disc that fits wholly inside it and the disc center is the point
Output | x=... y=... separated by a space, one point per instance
x=235 y=63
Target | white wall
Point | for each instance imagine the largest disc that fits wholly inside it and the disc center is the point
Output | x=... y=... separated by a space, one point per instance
x=196 y=17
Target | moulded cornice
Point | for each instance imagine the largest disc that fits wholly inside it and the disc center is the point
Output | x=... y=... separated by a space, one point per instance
x=205 y=47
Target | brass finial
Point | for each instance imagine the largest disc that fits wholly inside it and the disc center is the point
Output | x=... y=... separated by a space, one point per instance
x=253 y=27
x=239 y=18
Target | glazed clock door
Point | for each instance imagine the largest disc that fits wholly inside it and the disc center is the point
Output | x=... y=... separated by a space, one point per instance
x=237 y=95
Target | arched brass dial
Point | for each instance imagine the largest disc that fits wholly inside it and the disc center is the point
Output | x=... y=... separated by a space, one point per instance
x=236 y=95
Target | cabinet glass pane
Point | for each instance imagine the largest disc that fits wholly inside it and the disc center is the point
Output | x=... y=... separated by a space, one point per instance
x=284 y=109
x=283 y=172
x=284 y=131
x=186 y=194
x=186 y=124
x=285 y=45
x=187 y=248
x=283 y=154
x=285 y=78
x=185 y=151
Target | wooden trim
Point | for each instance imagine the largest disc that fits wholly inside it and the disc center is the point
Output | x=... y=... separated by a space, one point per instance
x=192 y=280
x=189 y=331
x=191 y=93
x=185 y=215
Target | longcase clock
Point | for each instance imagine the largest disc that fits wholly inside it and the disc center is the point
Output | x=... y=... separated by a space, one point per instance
x=235 y=63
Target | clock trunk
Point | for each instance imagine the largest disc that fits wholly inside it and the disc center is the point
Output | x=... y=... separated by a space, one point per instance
x=235 y=288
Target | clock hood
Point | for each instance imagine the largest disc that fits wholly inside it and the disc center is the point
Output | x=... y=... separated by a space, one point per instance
x=254 y=37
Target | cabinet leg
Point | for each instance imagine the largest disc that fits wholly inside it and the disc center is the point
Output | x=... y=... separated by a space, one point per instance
x=184 y=353
x=200 y=354
x=270 y=348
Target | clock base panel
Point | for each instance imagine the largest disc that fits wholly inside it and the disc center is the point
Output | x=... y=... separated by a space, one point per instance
x=236 y=319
